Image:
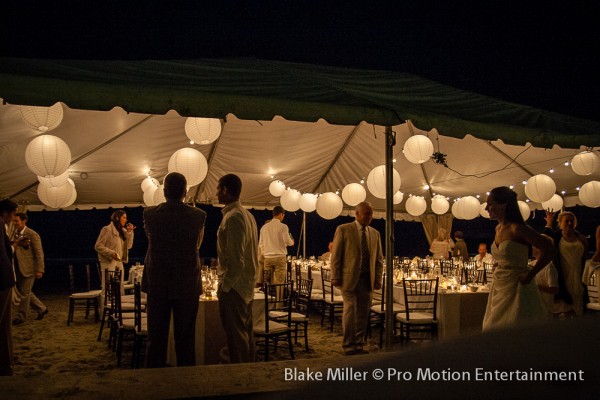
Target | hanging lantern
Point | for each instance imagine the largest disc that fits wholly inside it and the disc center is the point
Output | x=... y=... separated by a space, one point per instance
x=72 y=199
x=47 y=156
x=55 y=181
x=398 y=197
x=149 y=196
x=42 y=119
x=276 y=188
x=468 y=207
x=55 y=197
x=554 y=204
x=159 y=195
x=456 y=210
x=376 y=181
x=203 y=130
x=416 y=205
x=149 y=183
x=418 y=149
x=439 y=204
x=329 y=205
x=190 y=163
x=308 y=202
x=540 y=188
x=589 y=194
x=585 y=163
x=525 y=210
x=354 y=193
x=71 y=182
x=290 y=200
x=483 y=212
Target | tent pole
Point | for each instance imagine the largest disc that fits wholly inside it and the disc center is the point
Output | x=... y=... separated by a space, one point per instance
x=304 y=234
x=390 y=141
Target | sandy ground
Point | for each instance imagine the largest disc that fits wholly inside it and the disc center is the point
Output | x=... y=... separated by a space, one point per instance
x=50 y=346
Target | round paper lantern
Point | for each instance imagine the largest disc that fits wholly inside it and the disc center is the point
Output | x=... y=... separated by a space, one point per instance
x=159 y=195
x=47 y=156
x=483 y=212
x=439 y=204
x=72 y=199
x=149 y=183
x=354 y=193
x=554 y=204
x=589 y=194
x=42 y=119
x=418 y=149
x=525 y=210
x=55 y=180
x=585 y=163
x=468 y=207
x=71 y=182
x=276 y=188
x=456 y=210
x=190 y=163
x=398 y=197
x=376 y=181
x=203 y=130
x=416 y=205
x=149 y=196
x=55 y=197
x=290 y=200
x=540 y=188
x=329 y=205
x=308 y=202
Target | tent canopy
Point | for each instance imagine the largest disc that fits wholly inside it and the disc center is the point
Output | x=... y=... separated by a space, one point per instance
x=315 y=128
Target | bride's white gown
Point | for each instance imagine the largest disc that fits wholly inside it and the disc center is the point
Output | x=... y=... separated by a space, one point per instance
x=510 y=302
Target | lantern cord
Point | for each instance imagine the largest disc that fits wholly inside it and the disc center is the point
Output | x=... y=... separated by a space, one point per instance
x=512 y=161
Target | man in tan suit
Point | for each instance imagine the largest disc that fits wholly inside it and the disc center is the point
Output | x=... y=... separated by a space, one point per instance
x=29 y=266
x=356 y=268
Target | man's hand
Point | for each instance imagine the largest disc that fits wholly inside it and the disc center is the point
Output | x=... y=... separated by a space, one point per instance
x=38 y=275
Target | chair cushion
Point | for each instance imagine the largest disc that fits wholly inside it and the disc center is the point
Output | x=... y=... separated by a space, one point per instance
x=336 y=300
x=277 y=314
x=593 y=306
x=274 y=328
x=417 y=317
x=396 y=308
x=85 y=295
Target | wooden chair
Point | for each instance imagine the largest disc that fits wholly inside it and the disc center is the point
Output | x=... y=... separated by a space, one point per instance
x=489 y=272
x=378 y=311
x=85 y=298
x=592 y=290
x=124 y=323
x=420 y=308
x=447 y=267
x=141 y=326
x=332 y=305
x=301 y=309
x=107 y=300
x=278 y=318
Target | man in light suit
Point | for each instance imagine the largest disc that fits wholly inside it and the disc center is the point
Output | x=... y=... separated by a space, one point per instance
x=171 y=276
x=8 y=209
x=356 y=268
x=29 y=266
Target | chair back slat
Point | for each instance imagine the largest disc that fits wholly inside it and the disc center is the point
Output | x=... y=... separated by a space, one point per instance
x=137 y=305
x=303 y=294
x=328 y=292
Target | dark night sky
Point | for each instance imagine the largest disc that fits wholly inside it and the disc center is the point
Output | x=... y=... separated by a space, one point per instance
x=544 y=56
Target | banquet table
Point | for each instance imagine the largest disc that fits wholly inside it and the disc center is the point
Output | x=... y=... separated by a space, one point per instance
x=318 y=282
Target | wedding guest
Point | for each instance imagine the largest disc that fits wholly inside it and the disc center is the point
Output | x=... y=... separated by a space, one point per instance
x=547 y=279
x=460 y=247
x=237 y=244
x=440 y=246
x=8 y=209
x=596 y=256
x=482 y=255
x=513 y=297
x=325 y=257
x=274 y=239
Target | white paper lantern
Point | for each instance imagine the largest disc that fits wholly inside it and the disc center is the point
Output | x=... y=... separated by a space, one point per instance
x=55 y=181
x=290 y=200
x=47 y=156
x=456 y=210
x=149 y=183
x=554 y=204
x=354 y=193
x=190 y=163
x=416 y=205
x=72 y=199
x=71 y=182
x=540 y=188
x=525 y=210
x=42 y=119
x=149 y=196
x=376 y=181
x=468 y=207
x=55 y=197
x=589 y=194
x=329 y=205
x=483 y=212
x=308 y=202
x=159 y=195
x=203 y=130
x=276 y=188
x=585 y=163
x=398 y=197
x=418 y=149
x=439 y=204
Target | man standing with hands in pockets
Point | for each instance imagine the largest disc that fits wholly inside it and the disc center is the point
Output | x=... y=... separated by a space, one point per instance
x=356 y=268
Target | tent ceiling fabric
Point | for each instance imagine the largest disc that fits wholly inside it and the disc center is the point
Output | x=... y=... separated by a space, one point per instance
x=260 y=90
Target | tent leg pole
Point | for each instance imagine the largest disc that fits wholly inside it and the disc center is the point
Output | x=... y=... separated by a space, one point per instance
x=390 y=141
x=304 y=234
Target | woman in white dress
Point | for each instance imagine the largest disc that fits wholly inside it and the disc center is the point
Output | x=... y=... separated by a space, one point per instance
x=440 y=247
x=514 y=297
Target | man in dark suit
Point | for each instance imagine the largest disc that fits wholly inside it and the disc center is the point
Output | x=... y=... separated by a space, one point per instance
x=172 y=273
x=7 y=280
x=356 y=268
x=29 y=266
